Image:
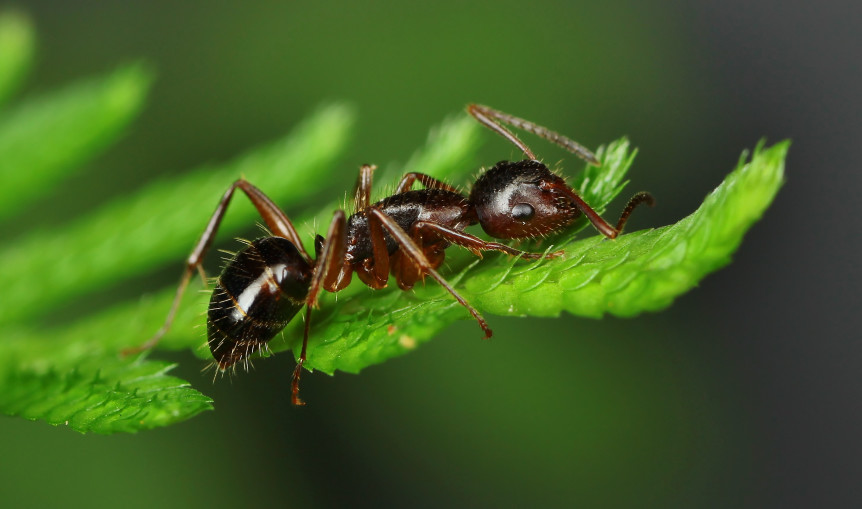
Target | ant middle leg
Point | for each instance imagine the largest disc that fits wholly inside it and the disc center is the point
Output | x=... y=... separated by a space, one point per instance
x=473 y=243
x=276 y=220
x=409 y=248
x=405 y=271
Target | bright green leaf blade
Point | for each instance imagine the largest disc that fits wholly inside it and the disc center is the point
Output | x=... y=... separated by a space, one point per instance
x=17 y=45
x=43 y=139
x=75 y=376
x=642 y=271
x=114 y=396
x=161 y=222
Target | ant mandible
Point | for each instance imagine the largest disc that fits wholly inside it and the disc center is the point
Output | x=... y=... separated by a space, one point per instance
x=266 y=284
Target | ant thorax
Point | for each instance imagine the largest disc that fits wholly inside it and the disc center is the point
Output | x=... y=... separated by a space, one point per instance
x=437 y=206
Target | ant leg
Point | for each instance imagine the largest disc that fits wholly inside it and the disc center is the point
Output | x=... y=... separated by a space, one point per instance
x=326 y=271
x=276 y=221
x=642 y=197
x=405 y=271
x=491 y=118
x=275 y=218
x=154 y=340
x=475 y=244
x=415 y=254
x=297 y=371
x=374 y=271
x=426 y=180
x=340 y=279
x=330 y=260
x=362 y=194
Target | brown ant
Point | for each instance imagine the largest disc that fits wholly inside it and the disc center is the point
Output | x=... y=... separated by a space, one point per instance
x=406 y=234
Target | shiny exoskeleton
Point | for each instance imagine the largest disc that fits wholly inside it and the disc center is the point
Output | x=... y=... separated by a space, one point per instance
x=406 y=234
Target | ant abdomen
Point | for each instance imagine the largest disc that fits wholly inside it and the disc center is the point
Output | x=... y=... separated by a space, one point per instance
x=260 y=290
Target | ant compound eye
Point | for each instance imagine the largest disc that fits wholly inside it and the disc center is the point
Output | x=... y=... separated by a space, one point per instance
x=523 y=212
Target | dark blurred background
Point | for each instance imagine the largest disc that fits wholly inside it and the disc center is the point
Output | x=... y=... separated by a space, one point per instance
x=745 y=393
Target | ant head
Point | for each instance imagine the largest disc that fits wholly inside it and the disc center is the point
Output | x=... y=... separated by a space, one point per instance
x=524 y=199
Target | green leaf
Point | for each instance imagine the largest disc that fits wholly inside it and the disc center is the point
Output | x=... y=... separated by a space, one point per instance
x=16 y=51
x=114 y=396
x=42 y=139
x=637 y=272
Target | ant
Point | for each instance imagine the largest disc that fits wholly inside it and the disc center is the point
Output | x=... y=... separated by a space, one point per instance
x=406 y=234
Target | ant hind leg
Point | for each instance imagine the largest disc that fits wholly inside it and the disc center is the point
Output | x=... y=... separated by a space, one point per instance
x=276 y=220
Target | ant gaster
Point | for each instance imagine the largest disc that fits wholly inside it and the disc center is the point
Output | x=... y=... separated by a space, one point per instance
x=406 y=234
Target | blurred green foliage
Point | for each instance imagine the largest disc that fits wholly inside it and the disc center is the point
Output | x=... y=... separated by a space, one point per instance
x=16 y=51
x=43 y=140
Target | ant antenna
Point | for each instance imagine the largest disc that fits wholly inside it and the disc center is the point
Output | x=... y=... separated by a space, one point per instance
x=492 y=119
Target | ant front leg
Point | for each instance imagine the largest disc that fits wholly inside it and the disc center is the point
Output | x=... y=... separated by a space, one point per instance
x=327 y=268
x=275 y=219
x=362 y=194
x=330 y=258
